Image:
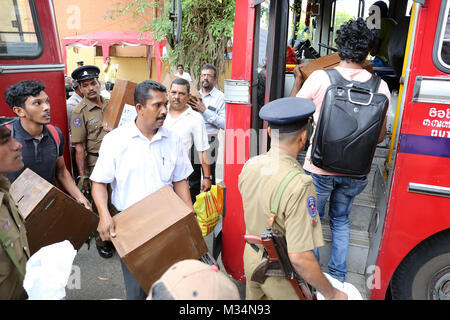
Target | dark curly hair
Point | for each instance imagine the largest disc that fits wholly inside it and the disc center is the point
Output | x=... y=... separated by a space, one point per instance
x=18 y=93
x=354 y=40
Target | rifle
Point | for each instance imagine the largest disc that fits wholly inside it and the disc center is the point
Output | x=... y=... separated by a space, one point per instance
x=278 y=263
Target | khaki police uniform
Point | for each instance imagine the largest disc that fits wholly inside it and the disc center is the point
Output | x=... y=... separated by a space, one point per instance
x=12 y=224
x=86 y=124
x=297 y=217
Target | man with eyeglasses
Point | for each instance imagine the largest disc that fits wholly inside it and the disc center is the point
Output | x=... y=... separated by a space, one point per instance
x=212 y=108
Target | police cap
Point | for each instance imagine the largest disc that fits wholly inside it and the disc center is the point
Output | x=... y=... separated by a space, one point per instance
x=287 y=114
x=6 y=120
x=85 y=72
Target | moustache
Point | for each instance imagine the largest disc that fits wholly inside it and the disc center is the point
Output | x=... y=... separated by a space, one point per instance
x=161 y=118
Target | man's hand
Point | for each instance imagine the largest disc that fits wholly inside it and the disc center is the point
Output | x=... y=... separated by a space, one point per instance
x=206 y=185
x=298 y=82
x=106 y=127
x=338 y=295
x=85 y=202
x=106 y=228
x=196 y=104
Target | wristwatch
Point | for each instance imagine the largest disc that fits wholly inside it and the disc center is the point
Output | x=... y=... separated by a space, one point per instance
x=209 y=178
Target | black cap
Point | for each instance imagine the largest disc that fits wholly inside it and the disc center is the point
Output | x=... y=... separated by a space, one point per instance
x=85 y=72
x=6 y=120
x=287 y=114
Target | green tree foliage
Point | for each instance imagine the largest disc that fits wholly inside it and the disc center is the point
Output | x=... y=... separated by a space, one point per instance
x=207 y=25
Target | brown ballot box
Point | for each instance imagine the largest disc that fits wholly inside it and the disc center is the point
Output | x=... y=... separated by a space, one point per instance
x=50 y=215
x=168 y=81
x=327 y=62
x=155 y=233
x=122 y=100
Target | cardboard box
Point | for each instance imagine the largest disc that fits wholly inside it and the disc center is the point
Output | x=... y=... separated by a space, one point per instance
x=168 y=81
x=155 y=233
x=122 y=100
x=50 y=215
x=327 y=62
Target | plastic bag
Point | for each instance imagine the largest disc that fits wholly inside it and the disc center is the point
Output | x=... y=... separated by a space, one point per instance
x=208 y=207
x=48 y=271
x=348 y=288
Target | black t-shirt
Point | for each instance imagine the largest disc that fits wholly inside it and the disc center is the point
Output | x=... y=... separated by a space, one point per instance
x=38 y=155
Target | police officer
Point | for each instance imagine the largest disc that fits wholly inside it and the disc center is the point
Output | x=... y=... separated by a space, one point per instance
x=86 y=124
x=14 y=251
x=297 y=218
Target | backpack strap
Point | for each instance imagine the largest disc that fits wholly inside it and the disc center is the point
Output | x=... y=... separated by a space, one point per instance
x=7 y=246
x=54 y=133
x=276 y=203
x=337 y=79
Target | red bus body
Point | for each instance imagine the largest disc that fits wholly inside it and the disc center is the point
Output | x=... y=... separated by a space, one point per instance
x=422 y=157
x=46 y=67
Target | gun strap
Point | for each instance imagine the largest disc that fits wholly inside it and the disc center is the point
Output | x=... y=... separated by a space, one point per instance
x=7 y=246
x=277 y=200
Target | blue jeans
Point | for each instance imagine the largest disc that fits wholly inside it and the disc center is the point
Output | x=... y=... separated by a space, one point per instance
x=132 y=287
x=341 y=190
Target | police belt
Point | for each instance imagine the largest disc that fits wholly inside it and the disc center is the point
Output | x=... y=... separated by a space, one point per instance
x=93 y=154
x=256 y=248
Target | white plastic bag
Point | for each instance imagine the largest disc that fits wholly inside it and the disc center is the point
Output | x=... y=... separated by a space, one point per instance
x=348 y=288
x=48 y=271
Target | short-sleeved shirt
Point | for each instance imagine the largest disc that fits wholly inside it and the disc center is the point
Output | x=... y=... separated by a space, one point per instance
x=136 y=166
x=86 y=125
x=314 y=89
x=214 y=115
x=12 y=225
x=258 y=185
x=38 y=155
x=71 y=103
x=387 y=25
x=185 y=76
x=190 y=127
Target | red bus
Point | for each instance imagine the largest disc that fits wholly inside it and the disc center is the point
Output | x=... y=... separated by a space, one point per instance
x=30 y=50
x=400 y=232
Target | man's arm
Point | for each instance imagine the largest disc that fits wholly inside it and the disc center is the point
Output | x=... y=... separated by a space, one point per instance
x=181 y=188
x=298 y=81
x=64 y=177
x=305 y=263
x=80 y=156
x=206 y=182
x=106 y=224
x=215 y=118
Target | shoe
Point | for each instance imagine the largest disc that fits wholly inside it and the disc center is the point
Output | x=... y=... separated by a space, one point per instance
x=105 y=252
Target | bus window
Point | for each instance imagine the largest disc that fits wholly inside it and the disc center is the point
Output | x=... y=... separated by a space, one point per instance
x=441 y=50
x=19 y=30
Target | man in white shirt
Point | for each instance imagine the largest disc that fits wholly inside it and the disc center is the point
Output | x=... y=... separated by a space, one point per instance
x=183 y=74
x=212 y=108
x=137 y=159
x=74 y=99
x=189 y=125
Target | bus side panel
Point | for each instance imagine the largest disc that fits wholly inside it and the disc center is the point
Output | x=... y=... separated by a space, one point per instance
x=238 y=119
x=421 y=158
x=53 y=80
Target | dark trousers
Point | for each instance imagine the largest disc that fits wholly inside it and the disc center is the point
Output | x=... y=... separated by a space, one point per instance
x=195 y=179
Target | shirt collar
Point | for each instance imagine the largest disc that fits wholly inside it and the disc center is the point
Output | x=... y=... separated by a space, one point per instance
x=135 y=132
x=92 y=105
x=25 y=135
x=212 y=93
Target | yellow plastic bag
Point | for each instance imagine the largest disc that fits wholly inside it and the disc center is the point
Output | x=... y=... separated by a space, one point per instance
x=208 y=209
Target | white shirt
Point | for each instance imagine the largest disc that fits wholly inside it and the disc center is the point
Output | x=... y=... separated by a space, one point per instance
x=214 y=114
x=185 y=76
x=137 y=167
x=191 y=128
x=72 y=102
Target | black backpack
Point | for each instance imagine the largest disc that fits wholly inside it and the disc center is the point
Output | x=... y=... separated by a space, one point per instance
x=349 y=125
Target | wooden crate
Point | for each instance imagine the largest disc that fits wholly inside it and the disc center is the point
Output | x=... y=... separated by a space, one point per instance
x=155 y=233
x=50 y=215
x=327 y=62
x=121 y=95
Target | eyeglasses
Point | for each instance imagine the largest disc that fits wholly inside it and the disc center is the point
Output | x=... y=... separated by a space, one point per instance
x=210 y=76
